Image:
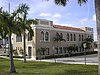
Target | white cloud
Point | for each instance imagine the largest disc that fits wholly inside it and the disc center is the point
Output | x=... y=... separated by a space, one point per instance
x=57 y=15
x=50 y=15
x=84 y=20
x=94 y=18
x=55 y=23
x=45 y=14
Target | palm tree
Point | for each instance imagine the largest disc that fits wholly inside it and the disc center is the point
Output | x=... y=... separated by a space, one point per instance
x=58 y=38
x=8 y=22
x=11 y=25
x=25 y=23
x=88 y=42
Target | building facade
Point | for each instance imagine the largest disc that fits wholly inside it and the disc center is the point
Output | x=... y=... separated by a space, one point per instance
x=50 y=39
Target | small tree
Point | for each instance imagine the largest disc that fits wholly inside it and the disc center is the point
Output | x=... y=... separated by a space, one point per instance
x=70 y=49
x=88 y=42
x=15 y=52
x=21 y=51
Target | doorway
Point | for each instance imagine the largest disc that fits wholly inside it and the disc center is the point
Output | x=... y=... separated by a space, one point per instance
x=29 y=52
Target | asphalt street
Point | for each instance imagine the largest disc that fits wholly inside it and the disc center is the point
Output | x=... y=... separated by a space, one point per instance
x=90 y=59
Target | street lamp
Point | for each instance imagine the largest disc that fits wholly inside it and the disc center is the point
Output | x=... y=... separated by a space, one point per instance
x=84 y=47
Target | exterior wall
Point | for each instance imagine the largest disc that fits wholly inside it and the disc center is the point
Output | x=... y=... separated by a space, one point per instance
x=52 y=44
x=17 y=45
x=36 y=43
x=32 y=44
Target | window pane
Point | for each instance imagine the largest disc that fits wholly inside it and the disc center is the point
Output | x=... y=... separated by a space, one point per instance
x=46 y=36
x=18 y=38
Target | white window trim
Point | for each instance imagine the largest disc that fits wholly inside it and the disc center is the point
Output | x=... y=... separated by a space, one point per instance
x=44 y=36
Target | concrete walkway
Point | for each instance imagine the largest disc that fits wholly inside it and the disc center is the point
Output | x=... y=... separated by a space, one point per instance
x=90 y=59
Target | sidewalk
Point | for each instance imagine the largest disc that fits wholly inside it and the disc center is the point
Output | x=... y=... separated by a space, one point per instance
x=67 y=60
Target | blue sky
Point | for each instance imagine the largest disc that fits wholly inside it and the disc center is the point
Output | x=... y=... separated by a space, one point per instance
x=70 y=15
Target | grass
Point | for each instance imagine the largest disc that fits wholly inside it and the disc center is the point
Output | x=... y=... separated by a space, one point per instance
x=44 y=68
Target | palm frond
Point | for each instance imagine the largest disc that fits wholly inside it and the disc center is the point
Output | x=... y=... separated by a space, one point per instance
x=31 y=21
x=23 y=8
x=64 y=2
x=61 y=2
x=80 y=2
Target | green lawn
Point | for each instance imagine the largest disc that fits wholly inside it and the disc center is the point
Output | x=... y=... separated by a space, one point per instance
x=43 y=68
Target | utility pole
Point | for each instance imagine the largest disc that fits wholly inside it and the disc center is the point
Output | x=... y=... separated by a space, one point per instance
x=84 y=45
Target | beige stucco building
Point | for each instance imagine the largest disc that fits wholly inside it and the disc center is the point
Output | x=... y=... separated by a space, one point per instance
x=44 y=42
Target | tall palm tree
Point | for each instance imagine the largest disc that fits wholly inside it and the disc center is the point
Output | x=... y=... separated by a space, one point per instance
x=97 y=11
x=11 y=25
x=7 y=21
x=25 y=25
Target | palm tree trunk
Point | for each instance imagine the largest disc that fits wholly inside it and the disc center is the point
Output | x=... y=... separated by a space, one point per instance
x=24 y=41
x=12 y=67
x=97 y=9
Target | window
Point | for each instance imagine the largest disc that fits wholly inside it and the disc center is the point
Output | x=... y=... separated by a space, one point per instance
x=61 y=35
x=82 y=37
x=46 y=36
x=67 y=37
x=47 y=51
x=79 y=37
x=18 y=38
x=42 y=36
x=74 y=37
x=56 y=50
x=65 y=49
x=42 y=51
x=29 y=37
x=71 y=37
x=91 y=36
x=60 y=48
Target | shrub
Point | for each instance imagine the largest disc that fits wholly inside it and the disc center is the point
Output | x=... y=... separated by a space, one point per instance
x=21 y=51
x=15 y=52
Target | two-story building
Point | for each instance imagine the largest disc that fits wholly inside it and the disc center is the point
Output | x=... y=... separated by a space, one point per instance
x=45 y=42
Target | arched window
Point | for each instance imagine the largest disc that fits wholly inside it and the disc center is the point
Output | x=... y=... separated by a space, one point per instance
x=29 y=37
x=18 y=38
x=61 y=35
x=71 y=37
x=46 y=36
x=79 y=37
x=82 y=38
x=67 y=37
x=42 y=36
x=74 y=37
